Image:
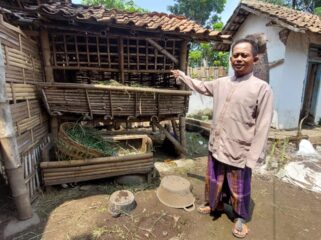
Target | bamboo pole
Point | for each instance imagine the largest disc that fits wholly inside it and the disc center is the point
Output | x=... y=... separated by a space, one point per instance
x=85 y=168
x=72 y=86
x=98 y=176
x=44 y=37
x=82 y=162
x=99 y=170
x=9 y=148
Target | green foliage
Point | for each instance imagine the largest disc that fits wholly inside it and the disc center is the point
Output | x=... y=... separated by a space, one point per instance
x=204 y=52
x=204 y=114
x=127 y=5
x=317 y=11
x=199 y=10
x=312 y=6
x=218 y=26
x=195 y=58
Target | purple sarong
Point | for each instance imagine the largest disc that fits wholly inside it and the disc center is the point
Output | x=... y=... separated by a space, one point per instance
x=237 y=188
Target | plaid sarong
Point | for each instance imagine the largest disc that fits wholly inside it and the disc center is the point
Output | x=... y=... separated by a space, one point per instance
x=224 y=182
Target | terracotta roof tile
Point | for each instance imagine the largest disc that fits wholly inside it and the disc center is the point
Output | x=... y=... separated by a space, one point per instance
x=302 y=20
x=154 y=20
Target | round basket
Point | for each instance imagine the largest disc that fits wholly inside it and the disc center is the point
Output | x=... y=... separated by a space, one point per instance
x=72 y=149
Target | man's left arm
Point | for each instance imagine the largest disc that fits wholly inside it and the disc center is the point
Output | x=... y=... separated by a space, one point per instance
x=263 y=123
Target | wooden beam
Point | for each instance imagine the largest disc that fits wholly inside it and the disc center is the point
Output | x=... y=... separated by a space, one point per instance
x=45 y=46
x=46 y=56
x=276 y=63
x=162 y=50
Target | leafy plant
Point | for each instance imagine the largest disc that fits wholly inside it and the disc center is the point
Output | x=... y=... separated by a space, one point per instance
x=127 y=5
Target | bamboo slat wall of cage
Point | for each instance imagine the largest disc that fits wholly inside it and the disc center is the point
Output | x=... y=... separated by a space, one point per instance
x=22 y=71
x=113 y=101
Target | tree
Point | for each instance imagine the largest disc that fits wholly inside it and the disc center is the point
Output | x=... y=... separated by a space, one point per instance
x=203 y=54
x=127 y=5
x=312 y=6
x=201 y=11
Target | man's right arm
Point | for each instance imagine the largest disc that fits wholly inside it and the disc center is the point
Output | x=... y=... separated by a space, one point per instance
x=202 y=87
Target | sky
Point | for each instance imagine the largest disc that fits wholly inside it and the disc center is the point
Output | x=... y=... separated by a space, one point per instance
x=161 y=6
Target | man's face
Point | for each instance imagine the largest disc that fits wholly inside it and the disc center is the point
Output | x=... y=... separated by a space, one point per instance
x=242 y=59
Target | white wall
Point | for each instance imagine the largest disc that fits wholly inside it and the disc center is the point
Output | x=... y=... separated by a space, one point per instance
x=199 y=102
x=286 y=80
x=292 y=84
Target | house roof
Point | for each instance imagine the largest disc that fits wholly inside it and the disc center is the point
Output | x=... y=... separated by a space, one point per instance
x=146 y=21
x=291 y=19
x=286 y=17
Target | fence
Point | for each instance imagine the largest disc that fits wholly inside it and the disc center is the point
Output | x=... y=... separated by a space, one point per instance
x=204 y=73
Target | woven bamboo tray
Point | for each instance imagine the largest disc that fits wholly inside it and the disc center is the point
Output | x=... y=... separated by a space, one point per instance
x=69 y=148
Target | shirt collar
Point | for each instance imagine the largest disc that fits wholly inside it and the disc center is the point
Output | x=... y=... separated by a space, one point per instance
x=245 y=77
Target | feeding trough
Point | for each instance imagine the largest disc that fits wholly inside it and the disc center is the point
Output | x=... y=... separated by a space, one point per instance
x=91 y=167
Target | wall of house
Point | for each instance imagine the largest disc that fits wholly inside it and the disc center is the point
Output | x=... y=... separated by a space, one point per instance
x=286 y=79
x=292 y=84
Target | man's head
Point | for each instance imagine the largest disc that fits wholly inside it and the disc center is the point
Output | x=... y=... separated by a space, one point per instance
x=244 y=55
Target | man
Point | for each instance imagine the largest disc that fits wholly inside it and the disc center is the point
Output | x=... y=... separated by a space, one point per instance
x=242 y=114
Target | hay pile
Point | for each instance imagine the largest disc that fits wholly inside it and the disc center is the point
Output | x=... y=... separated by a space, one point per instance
x=91 y=138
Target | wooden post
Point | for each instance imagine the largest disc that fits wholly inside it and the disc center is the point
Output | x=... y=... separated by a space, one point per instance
x=183 y=59
x=183 y=67
x=10 y=152
x=49 y=76
x=121 y=59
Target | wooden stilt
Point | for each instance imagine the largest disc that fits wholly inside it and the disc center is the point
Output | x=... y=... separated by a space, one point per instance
x=182 y=125
x=175 y=130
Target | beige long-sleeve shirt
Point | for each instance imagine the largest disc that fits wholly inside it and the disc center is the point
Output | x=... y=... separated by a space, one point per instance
x=242 y=115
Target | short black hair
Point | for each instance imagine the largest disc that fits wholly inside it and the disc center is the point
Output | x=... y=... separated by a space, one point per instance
x=255 y=47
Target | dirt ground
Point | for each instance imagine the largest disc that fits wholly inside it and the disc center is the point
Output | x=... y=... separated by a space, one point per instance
x=280 y=211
